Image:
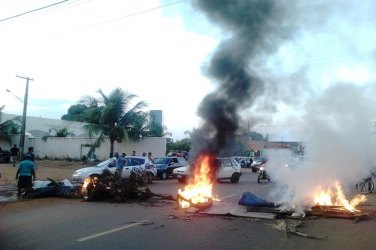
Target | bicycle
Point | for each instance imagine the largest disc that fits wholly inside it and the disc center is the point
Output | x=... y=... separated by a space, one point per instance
x=365 y=186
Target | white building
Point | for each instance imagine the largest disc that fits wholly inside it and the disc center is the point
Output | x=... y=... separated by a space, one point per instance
x=78 y=144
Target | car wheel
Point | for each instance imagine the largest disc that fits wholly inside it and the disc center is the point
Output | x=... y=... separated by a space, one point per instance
x=93 y=176
x=163 y=175
x=235 y=178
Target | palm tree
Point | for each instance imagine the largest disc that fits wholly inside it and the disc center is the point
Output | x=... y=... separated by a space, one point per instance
x=9 y=127
x=111 y=116
x=139 y=127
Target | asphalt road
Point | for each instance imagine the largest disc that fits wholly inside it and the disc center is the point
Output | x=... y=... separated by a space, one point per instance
x=58 y=223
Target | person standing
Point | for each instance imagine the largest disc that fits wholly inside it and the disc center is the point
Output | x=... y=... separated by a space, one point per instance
x=30 y=151
x=150 y=156
x=14 y=154
x=24 y=175
x=133 y=153
x=119 y=164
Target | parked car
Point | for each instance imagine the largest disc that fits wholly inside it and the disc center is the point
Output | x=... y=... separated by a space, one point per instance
x=256 y=164
x=245 y=162
x=131 y=161
x=4 y=156
x=178 y=153
x=166 y=165
x=229 y=169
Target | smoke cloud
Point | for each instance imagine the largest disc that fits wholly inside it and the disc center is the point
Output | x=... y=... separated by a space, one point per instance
x=339 y=145
x=253 y=27
x=286 y=61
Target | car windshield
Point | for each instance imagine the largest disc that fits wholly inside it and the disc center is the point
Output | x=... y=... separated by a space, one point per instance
x=161 y=160
x=104 y=163
x=134 y=161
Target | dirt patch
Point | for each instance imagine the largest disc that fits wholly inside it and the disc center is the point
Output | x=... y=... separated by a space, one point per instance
x=56 y=170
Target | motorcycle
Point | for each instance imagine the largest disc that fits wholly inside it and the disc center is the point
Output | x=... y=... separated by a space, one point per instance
x=263 y=175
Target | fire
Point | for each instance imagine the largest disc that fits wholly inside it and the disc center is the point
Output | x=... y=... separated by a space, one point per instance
x=334 y=196
x=200 y=185
x=86 y=182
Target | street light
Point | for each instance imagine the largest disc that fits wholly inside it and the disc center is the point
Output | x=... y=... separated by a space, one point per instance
x=10 y=92
x=23 y=126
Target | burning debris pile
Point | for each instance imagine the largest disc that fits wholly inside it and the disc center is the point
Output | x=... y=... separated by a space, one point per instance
x=334 y=196
x=325 y=203
x=109 y=185
x=199 y=191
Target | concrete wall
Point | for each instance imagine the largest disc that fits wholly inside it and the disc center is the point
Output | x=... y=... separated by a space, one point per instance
x=73 y=147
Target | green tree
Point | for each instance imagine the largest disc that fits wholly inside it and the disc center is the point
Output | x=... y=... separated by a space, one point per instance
x=256 y=136
x=75 y=113
x=156 y=130
x=59 y=132
x=142 y=127
x=139 y=127
x=183 y=145
x=9 y=127
x=111 y=116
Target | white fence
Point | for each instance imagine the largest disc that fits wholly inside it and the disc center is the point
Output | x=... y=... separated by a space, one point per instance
x=76 y=147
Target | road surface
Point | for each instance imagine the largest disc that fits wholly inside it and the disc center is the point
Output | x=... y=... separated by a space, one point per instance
x=59 y=223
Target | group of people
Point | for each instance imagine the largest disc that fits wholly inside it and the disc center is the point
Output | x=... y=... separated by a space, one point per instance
x=121 y=162
x=143 y=154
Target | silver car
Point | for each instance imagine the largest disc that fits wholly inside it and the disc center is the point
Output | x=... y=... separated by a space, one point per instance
x=130 y=162
x=229 y=169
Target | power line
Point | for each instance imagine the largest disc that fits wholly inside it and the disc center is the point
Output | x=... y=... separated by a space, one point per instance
x=34 y=10
x=132 y=14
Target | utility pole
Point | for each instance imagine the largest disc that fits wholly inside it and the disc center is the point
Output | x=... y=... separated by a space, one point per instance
x=23 y=126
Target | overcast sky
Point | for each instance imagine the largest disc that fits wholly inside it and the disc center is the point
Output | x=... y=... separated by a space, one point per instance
x=157 y=49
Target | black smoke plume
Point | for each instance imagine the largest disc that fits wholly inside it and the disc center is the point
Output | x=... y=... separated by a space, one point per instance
x=254 y=28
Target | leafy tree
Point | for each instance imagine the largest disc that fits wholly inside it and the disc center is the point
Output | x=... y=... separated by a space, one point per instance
x=156 y=130
x=256 y=136
x=59 y=132
x=9 y=127
x=183 y=145
x=75 y=113
x=111 y=116
x=142 y=127
x=139 y=127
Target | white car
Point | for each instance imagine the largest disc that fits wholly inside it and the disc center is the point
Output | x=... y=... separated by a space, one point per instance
x=229 y=169
x=131 y=162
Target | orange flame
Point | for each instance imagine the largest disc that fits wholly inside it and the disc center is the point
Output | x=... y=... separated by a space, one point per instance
x=200 y=185
x=334 y=196
x=86 y=182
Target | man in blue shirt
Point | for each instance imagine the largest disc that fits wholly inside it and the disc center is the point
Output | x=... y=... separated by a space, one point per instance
x=25 y=171
x=119 y=164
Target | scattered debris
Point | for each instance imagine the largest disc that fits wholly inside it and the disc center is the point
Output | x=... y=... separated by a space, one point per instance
x=335 y=212
x=183 y=218
x=164 y=196
x=111 y=186
x=158 y=227
x=282 y=225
